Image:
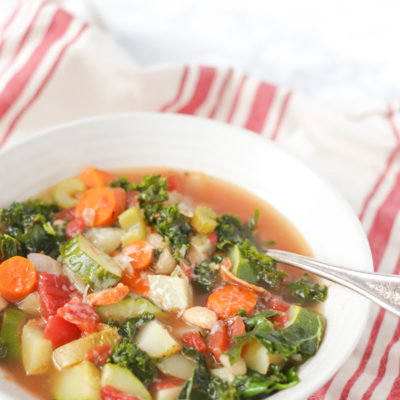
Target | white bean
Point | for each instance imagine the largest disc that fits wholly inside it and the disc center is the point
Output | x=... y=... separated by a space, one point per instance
x=200 y=316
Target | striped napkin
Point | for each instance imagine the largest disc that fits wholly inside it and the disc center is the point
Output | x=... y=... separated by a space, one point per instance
x=56 y=67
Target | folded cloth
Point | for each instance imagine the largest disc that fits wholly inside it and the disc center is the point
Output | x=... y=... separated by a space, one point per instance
x=56 y=67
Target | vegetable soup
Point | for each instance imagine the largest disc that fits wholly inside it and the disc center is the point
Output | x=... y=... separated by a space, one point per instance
x=152 y=284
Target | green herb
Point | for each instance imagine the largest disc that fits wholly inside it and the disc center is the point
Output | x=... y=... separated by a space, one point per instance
x=255 y=384
x=307 y=291
x=205 y=277
x=123 y=183
x=30 y=224
x=230 y=230
x=221 y=390
x=128 y=355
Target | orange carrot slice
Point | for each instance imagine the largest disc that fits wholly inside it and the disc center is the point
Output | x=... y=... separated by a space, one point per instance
x=140 y=254
x=93 y=177
x=229 y=300
x=108 y=296
x=17 y=278
x=137 y=281
x=101 y=206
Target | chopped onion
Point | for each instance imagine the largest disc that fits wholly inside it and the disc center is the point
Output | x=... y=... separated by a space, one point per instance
x=44 y=263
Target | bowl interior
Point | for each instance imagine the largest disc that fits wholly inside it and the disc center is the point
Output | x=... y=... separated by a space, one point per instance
x=147 y=139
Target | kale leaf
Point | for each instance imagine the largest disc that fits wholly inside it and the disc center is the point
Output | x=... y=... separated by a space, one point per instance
x=123 y=183
x=255 y=384
x=230 y=230
x=173 y=226
x=307 y=291
x=127 y=354
x=30 y=224
x=221 y=390
x=204 y=277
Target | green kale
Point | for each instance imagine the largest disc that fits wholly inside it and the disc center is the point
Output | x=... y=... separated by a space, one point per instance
x=128 y=355
x=306 y=291
x=264 y=267
x=9 y=247
x=205 y=277
x=30 y=224
x=255 y=384
x=221 y=390
x=230 y=230
x=173 y=226
x=123 y=183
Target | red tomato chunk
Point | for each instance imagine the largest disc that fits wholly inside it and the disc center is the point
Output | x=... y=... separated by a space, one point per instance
x=217 y=340
x=66 y=215
x=54 y=291
x=194 y=341
x=167 y=383
x=59 y=331
x=83 y=315
x=236 y=327
x=99 y=355
x=110 y=393
x=74 y=227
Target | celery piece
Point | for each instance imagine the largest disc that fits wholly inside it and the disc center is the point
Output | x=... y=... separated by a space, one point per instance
x=204 y=220
x=65 y=191
x=10 y=332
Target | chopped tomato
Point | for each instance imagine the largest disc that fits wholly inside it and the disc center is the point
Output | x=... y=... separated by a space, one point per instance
x=161 y=384
x=132 y=198
x=194 y=341
x=173 y=182
x=213 y=238
x=77 y=225
x=280 y=320
x=110 y=393
x=99 y=355
x=217 y=340
x=83 y=315
x=55 y=290
x=59 y=331
x=187 y=270
x=236 y=327
x=276 y=304
x=66 y=215
x=137 y=282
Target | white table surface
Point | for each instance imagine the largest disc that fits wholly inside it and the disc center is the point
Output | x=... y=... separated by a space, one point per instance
x=341 y=52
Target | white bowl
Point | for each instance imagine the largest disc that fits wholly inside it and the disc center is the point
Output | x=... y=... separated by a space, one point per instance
x=148 y=139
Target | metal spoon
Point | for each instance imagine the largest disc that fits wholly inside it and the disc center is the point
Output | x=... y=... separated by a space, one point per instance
x=383 y=289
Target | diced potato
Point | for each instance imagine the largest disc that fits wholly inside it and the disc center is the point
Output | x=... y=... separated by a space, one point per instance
x=177 y=366
x=171 y=393
x=81 y=382
x=239 y=368
x=223 y=373
x=106 y=239
x=124 y=380
x=200 y=249
x=156 y=341
x=166 y=263
x=169 y=292
x=257 y=357
x=31 y=304
x=74 y=352
x=36 y=350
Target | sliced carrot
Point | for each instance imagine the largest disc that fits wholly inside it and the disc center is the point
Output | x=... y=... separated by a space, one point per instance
x=101 y=206
x=137 y=282
x=93 y=177
x=108 y=296
x=140 y=254
x=17 y=278
x=229 y=300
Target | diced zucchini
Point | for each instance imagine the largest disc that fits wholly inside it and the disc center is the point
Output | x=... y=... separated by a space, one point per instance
x=74 y=352
x=124 y=380
x=171 y=293
x=177 y=365
x=170 y=393
x=31 y=304
x=156 y=341
x=10 y=332
x=105 y=239
x=134 y=223
x=81 y=382
x=131 y=306
x=256 y=357
x=92 y=265
x=36 y=350
x=204 y=219
x=64 y=192
x=241 y=267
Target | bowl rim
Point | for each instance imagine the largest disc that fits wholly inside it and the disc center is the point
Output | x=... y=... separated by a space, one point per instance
x=258 y=140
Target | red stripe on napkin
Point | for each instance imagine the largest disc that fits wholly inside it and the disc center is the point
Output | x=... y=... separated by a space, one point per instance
x=15 y=86
x=7 y=24
x=260 y=108
x=178 y=96
x=236 y=98
x=204 y=82
x=395 y=390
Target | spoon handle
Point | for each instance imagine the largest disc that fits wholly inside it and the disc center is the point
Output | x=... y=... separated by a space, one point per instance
x=383 y=289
